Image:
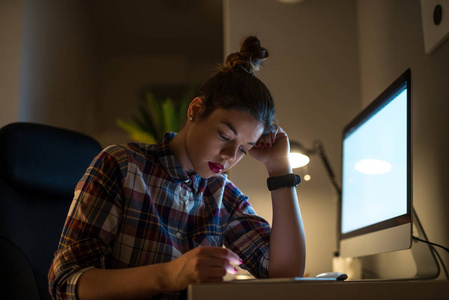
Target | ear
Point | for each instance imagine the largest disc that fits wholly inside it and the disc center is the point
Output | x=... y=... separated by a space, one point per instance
x=195 y=108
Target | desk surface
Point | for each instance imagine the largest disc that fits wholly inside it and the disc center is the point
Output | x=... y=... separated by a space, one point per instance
x=260 y=290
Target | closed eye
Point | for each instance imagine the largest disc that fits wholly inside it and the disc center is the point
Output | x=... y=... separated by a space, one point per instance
x=224 y=137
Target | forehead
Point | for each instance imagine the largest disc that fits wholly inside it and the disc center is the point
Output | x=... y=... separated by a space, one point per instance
x=242 y=123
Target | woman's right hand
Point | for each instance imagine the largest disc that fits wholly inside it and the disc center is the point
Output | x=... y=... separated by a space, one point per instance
x=202 y=264
x=272 y=150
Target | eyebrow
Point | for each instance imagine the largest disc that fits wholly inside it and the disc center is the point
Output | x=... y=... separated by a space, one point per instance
x=235 y=131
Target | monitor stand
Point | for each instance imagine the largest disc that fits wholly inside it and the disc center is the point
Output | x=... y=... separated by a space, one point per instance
x=379 y=266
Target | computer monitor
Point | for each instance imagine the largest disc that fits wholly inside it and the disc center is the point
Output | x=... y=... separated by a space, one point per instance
x=376 y=206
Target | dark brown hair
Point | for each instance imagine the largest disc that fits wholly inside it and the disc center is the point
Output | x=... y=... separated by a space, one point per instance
x=236 y=87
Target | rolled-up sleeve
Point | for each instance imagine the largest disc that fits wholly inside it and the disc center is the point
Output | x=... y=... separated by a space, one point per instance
x=70 y=263
x=247 y=234
x=91 y=225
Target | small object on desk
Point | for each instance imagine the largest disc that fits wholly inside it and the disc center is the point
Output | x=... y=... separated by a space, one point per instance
x=336 y=275
x=280 y=280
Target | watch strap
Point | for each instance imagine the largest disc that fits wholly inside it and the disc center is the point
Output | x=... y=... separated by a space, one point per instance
x=278 y=182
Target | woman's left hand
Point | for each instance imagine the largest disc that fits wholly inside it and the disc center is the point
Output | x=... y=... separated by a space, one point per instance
x=272 y=150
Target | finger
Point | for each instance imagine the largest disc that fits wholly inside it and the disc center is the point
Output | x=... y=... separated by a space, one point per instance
x=275 y=133
x=221 y=253
x=272 y=135
x=232 y=269
x=271 y=139
x=223 y=264
x=232 y=257
x=261 y=142
x=264 y=141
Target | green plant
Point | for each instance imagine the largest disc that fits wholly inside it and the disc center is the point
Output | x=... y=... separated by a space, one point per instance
x=155 y=117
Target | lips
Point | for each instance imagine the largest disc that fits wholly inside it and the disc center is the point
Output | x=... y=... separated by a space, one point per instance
x=216 y=168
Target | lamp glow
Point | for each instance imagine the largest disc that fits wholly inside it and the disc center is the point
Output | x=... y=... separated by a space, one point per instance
x=298 y=160
x=373 y=166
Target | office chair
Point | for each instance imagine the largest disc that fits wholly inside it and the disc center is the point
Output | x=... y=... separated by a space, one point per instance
x=39 y=168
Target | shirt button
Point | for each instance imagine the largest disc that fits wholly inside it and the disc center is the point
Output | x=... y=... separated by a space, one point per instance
x=178 y=234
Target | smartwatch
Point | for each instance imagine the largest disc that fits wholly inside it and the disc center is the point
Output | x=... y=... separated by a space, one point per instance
x=278 y=182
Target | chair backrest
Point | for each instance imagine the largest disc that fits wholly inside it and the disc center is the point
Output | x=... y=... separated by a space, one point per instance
x=40 y=166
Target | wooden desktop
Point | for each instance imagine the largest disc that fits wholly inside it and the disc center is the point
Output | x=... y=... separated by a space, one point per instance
x=334 y=290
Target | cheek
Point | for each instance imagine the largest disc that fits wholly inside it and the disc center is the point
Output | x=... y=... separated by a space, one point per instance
x=205 y=148
x=197 y=138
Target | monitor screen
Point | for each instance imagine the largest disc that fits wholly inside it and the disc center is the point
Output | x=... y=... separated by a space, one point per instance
x=377 y=175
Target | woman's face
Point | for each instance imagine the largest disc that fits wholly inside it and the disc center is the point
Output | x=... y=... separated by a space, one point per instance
x=215 y=144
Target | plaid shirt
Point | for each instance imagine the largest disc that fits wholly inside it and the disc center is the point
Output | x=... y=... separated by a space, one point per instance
x=136 y=206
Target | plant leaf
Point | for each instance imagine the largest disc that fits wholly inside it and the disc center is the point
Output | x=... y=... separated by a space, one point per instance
x=169 y=116
x=143 y=137
x=147 y=122
x=125 y=125
x=155 y=117
x=135 y=133
x=182 y=111
x=155 y=111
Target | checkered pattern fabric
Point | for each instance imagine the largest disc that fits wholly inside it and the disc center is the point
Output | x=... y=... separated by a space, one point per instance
x=136 y=206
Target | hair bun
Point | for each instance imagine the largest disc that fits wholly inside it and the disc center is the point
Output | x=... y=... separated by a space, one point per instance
x=250 y=56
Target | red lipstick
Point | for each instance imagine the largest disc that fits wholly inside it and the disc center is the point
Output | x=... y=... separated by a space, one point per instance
x=216 y=168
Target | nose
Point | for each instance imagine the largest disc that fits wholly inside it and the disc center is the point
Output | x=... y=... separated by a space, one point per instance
x=229 y=152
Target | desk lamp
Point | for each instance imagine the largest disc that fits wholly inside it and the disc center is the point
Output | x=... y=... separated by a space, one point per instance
x=300 y=157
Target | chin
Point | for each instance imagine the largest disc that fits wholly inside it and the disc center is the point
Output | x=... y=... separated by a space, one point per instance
x=208 y=174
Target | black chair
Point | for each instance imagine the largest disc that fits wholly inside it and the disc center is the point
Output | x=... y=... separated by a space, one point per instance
x=39 y=168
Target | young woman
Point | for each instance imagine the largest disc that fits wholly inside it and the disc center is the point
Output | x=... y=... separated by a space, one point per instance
x=148 y=220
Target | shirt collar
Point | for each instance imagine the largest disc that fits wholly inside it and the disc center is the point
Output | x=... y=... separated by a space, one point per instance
x=173 y=167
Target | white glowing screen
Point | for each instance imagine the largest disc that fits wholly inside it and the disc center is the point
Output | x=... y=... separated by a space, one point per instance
x=371 y=166
x=375 y=167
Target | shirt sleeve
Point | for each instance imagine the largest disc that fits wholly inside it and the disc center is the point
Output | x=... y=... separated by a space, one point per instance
x=247 y=234
x=91 y=224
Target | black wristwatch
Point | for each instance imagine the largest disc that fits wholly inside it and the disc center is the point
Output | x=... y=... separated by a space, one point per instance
x=278 y=182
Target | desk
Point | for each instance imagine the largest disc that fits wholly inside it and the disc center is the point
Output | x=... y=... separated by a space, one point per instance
x=334 y=290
